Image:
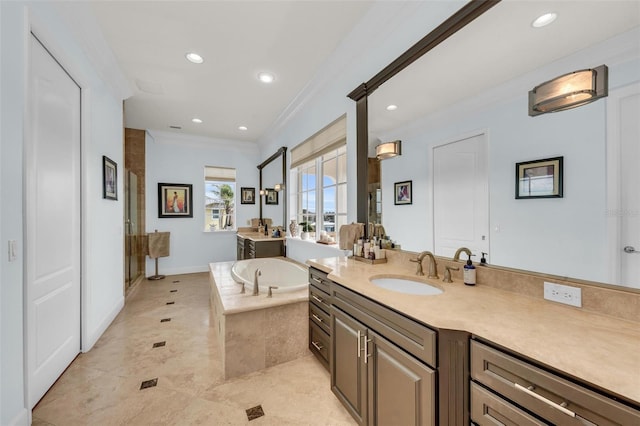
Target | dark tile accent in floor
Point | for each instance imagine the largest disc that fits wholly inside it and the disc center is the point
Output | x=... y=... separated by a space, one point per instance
x=255 y=412
x=159 y=344
x=173 y=291
x=170 y=303
x=176 y=281
x=165 y=320
x=149 y=383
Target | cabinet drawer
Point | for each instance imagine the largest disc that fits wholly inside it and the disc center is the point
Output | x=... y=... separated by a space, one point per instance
x=553 y=398
x=319 y=298
x=319 y=279
x=319 y=318
x=319 y=343
x=413 y=337
x=489 y=409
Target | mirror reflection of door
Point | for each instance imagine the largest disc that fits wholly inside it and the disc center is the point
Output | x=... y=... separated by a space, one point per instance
x=461 y=197
x=375 y=194
x=133 y=253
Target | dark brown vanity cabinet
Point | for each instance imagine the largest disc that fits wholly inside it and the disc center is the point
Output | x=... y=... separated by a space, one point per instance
x=508 y=390
x=250 y=249
x=319 y=325
x=381 y=362
x=241 y=253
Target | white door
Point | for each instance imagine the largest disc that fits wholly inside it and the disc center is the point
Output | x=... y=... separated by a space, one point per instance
x=52 y=263
x=624 y=181
x=461 y=197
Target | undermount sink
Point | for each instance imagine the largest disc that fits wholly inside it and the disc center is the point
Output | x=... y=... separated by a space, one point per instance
x=406 y=286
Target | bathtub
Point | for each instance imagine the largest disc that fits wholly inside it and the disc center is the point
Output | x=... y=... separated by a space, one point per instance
x=287 y=276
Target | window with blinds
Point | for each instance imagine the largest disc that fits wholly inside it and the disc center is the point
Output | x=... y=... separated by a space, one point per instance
x=220 y=198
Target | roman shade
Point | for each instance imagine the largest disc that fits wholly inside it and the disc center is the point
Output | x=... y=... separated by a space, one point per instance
x=222 y=174
x=328 y=139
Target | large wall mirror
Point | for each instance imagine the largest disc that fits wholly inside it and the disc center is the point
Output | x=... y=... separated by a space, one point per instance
x=472 y=90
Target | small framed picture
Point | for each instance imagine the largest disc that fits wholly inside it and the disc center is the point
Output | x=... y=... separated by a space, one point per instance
x=109 y=179
x=271 y=197
x=402 y=191
x=247 y=195
x=539 y=178
x=175 y=200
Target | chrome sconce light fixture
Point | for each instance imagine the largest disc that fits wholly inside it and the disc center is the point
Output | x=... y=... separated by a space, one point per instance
x=388 y=150
x=278 y=187
x=263 y=192
x=569 y=91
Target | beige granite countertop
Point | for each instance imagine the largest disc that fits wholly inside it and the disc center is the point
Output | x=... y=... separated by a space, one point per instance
x=258 y=236
x=598 y=349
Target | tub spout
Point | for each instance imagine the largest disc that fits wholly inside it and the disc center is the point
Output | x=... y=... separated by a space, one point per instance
x=256 y=289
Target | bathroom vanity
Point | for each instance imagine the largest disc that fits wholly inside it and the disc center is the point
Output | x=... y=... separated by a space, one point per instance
x=471 y=355
x=252 y=245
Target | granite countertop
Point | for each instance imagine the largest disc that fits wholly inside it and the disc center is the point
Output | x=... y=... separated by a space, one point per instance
x=258 y=236
x=595 y=348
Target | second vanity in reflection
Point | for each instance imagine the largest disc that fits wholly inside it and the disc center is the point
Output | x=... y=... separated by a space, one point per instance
x=467 y=355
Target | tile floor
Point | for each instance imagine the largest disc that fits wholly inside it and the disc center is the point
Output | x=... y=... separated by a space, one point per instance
x=146 y=370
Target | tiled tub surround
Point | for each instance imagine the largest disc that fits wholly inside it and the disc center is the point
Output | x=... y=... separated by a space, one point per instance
x=256 y=332
x=598 y=344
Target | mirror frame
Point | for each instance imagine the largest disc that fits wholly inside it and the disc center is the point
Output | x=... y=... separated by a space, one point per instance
x=282 y=151
x=360 y=94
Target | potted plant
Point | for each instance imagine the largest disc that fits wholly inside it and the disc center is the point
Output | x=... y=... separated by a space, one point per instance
x=306 y=228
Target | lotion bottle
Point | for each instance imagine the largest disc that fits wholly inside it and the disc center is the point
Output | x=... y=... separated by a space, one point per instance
x=469 y=274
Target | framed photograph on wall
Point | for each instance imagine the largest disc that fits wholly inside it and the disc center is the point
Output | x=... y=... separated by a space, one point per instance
x=175 y=200
x=271 y=197
x=539 y=178
x=402 y=191
x=109 y=179
x=247 y=195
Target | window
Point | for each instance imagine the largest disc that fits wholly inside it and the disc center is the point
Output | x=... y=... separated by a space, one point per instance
x=322 y=191
x=220 y=198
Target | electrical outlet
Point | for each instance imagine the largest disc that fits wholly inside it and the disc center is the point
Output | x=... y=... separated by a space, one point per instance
x=563 y=294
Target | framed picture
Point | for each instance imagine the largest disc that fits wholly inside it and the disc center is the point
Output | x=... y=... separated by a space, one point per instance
x=402 y=191
x=109 y=179
x=539 y=178
x=271 y=197
x=175 y=200
x=247 y=195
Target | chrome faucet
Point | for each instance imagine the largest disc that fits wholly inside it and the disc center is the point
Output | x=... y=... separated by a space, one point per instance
x=433 y=266
x=256 y=289
x=456 y=257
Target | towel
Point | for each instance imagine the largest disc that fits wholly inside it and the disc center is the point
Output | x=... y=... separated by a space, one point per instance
x=378 y=231
x=349 y=234
x=158 y=243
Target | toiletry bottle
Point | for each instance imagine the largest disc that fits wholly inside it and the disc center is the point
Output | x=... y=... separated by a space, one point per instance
x=469 y=274
x=483 y=260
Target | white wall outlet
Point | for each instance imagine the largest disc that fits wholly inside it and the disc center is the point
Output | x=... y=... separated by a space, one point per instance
x=563 y=294
x=13 y=251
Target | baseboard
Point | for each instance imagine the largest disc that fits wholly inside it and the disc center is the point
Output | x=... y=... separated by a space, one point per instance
x=179 y=271
x=22 y=418
x=92 y=338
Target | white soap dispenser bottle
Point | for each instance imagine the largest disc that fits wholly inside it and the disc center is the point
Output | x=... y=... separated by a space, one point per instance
x=469 y=274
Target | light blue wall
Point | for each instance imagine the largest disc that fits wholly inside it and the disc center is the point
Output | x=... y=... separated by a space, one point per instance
x=102 y=262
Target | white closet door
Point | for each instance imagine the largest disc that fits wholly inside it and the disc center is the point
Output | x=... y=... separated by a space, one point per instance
x=52 y=179
x=461 y=197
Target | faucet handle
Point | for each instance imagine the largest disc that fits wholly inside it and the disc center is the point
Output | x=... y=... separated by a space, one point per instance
x=242 y=291
x=270 y=293
x=447 y=273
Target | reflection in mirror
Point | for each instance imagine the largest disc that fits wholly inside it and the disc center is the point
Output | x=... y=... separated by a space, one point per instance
x=474 y=86
x=273 y=204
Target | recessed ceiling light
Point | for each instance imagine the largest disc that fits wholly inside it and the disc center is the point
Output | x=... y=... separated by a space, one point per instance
x=266 y=77
x=243 y=128
x=544 y=20
x=196 y=120
x=392 y=107
x=194 y=57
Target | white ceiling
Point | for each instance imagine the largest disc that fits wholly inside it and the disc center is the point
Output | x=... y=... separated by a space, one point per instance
x=238 y=39
x=292 y=39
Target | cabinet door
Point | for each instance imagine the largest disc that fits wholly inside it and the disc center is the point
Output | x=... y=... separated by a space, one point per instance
x=348 y=370
x=401 y=388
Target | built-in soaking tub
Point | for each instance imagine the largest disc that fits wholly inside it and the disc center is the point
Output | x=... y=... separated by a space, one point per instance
x=285 y=275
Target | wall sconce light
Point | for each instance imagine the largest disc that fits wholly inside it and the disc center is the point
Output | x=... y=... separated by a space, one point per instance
x=388 y=150
x=263 y=192
x=569 y=91
x=278 y=187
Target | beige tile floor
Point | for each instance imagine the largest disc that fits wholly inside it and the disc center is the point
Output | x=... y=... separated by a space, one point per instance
x=102 y=386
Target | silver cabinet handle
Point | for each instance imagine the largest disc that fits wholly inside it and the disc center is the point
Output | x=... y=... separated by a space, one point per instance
x=366 y=349
x=559 y=407
x=359 y=350
x=630 y=250
x=317 y=346
x=317 y=318
x=316 y=298
x=319 y=281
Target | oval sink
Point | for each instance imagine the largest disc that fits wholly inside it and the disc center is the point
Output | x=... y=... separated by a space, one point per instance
x=403 y=285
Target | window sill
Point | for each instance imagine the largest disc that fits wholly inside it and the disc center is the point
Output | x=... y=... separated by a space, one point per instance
x=223 y=231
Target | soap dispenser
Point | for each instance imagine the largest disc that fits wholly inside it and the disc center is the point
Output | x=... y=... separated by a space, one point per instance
x=469 y=274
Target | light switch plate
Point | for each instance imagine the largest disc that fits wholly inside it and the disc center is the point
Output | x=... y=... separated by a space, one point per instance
x=563 y=294
x=12 y=250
